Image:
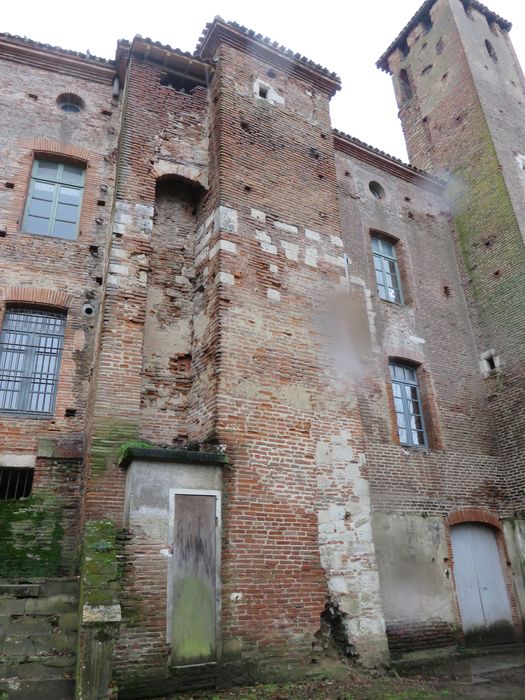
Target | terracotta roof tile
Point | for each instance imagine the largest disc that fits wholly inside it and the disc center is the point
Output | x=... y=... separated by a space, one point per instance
x=267 y=42
x=382 y=63
x=56 y=49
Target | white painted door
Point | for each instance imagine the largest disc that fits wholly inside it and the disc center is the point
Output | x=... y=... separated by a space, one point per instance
x=480 y=587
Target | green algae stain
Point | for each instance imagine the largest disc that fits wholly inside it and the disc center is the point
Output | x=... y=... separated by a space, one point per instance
x=193 y=621
x=31 y=536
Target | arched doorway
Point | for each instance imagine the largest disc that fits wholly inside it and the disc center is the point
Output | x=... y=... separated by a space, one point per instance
x=482 y=595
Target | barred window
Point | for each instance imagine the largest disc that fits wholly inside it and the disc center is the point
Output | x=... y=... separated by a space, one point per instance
x=31 y=345
x=54 y=199
x=15 y=483
x=407 y=403
x=386 y=270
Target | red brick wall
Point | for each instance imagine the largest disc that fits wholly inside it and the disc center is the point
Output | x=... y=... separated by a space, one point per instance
x=50 y=271
x=462 y=118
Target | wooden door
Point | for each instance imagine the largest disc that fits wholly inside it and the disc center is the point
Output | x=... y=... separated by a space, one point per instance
x=194 y=610
x=480 y=587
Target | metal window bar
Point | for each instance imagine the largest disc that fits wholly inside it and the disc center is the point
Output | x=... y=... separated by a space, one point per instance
x=15 y=483
x=407 y=403
x=31 y=346
x=387 y=270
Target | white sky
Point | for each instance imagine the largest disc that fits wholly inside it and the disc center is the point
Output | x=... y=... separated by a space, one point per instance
x=345 y=36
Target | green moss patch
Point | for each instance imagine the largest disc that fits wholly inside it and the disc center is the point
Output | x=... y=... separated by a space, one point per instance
x=31 y=536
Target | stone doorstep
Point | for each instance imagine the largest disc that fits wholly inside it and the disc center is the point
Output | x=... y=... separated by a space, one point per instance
x=20 y=590
x=38 y=606
x=41 y=689
x=474 y=664
x=36 y=644
x=37 y=667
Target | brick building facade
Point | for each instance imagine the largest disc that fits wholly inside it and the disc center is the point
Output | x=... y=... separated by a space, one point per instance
x=261 y=384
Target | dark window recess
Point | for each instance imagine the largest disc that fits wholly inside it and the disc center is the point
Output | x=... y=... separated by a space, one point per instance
x=490 y=50
x=263 y=92
x=180 y=83
x=376 y=189
x=491 y=363
x=69 y=102
x=15 y=483
x=404 y=84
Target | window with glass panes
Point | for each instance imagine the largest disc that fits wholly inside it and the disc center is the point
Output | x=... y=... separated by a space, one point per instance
x=407 y=403
x=386 y=270
x=31 y=345
x=54 y=199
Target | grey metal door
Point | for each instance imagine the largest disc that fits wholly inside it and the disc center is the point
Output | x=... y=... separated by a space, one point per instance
x=194 y=580
x=480 y=587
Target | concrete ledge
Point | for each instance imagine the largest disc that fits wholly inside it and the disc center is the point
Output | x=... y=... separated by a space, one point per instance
x=161 y=454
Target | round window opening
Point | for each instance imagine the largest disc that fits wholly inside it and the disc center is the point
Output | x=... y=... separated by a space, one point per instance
x=376 y=189
x=68 y=102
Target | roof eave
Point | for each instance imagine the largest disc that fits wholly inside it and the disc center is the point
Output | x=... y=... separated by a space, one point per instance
x=55 y=59
x=220 y=31
x=394 y=166
x=382 y=62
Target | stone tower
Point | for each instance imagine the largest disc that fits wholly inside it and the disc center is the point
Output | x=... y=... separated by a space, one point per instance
x=461 y=101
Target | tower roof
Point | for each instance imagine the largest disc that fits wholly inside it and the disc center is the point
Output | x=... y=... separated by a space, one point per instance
x=422 y=13
x=246 y=39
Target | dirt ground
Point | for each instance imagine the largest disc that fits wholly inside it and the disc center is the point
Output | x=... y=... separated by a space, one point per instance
x=494 y=676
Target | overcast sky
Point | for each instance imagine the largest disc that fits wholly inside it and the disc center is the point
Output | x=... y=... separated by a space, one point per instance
x=346 y=36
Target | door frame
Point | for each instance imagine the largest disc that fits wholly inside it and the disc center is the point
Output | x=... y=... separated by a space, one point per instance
x=477 y=516
x=218 y=539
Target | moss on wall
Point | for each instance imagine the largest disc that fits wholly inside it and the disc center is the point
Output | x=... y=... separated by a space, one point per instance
x=31 y=536
x=107 y=441
x=99 y=582
x=489 y=237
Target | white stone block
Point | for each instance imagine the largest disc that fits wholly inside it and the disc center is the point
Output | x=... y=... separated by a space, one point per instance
x=258 y=215
x=225 y=278
x=291 y=250
x=101 y=613
x=273 y=294
x=310 y=256
x=262 y=236
x=334 y=260
x=225 y=219
x=313 y=235
x=203 y=255
x=268 y=248
x=116 y=269
x=335 y=240
x=17 y=460
x=285 y=227
x=338 y=584
x=226 y=246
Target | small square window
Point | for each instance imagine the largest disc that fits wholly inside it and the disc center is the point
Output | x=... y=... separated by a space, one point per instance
x=15 y=483
x=54 y=199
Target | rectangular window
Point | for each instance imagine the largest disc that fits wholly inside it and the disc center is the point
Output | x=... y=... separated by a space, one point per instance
x=31 y=345
x=386 y=270
x=15 y=483
x=54 y=199
x=407 y=404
